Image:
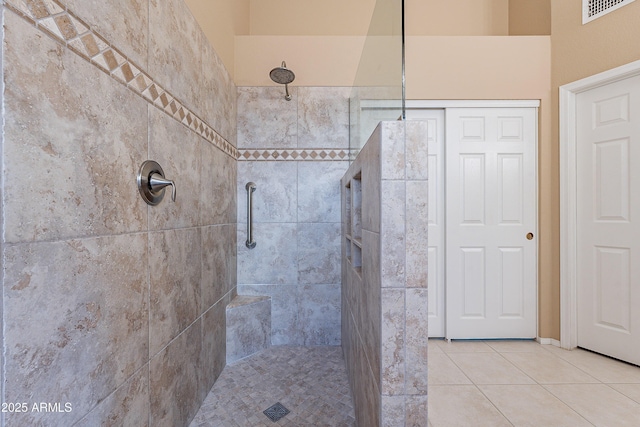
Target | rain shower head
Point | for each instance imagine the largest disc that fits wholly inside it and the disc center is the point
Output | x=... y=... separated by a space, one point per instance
x=282 y=75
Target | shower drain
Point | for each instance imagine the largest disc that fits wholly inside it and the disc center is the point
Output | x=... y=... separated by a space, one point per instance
x=276 y=412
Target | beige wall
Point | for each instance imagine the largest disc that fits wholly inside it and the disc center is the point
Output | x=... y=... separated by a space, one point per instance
x=310 y=17
x=580 y=51
x=224 y=20
x=457 y=17
x=221 y=21
x=316 y=60
x=529 y=17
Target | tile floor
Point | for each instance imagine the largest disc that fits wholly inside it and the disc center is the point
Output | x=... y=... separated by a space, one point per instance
x=523 y=383
x=311 y=382
x=471 y=383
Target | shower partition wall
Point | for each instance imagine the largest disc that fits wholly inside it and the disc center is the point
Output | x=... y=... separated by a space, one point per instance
x=384 y=235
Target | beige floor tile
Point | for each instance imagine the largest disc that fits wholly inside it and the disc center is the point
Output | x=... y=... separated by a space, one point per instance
x=545 y=368
x=532 y=405
x=462 y=405
x=489 y=368
x=602 y=368
x=599 y=404
x=510 y=346
x=443 y=371
x=463 y=346
x=632 y=391
x=433 y=347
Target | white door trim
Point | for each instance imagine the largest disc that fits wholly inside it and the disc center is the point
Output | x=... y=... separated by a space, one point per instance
x=568 y=194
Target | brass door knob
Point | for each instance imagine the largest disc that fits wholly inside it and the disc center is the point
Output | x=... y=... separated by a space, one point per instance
x=529 y=236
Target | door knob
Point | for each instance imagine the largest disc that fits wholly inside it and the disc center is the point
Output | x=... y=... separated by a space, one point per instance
x=151 y=183
x=529 y=236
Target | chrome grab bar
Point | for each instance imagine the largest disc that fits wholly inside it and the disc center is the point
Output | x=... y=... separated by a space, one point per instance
x=251 y=187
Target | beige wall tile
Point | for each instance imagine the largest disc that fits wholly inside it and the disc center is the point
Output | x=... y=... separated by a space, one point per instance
x=56 y=133
x=179 y=152
x=175 y=275
x=89 y=332
x=127 y=29
x=174 y=379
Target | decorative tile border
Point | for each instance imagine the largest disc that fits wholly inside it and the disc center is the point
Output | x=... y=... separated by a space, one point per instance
x=313 y=154
x=53 y=18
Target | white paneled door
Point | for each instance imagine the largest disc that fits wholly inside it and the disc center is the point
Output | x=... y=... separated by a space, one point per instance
x=491 y=223
x=608 y=219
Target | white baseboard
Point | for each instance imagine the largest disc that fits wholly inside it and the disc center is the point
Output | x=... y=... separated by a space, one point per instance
x=548 y=341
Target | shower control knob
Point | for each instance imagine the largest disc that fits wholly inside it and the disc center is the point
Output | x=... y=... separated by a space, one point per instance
x=152 y=183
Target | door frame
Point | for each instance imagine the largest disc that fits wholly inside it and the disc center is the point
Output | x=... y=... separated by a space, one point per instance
x=568 y=194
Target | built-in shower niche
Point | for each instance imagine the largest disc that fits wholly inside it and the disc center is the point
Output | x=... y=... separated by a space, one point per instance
x=353 y=222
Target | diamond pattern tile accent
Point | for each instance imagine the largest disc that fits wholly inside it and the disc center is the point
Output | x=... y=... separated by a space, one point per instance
x=54 y=7
x=52 y=17
x=293 y=155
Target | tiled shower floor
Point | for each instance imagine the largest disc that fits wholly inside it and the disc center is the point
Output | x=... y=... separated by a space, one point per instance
x=311 y=382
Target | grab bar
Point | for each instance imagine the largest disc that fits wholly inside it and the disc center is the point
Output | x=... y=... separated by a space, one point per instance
x=251 y=187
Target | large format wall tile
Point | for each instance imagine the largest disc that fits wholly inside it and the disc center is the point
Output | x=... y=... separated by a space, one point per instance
x=175 y=380
x=56 y=133
x=323 y=117
x=218 y=243
x=275 y=198
x=417 y=334
x=127 y=406
x=416 y=233
x=320 y=314
x=127 y=29
x=79 y=119
x=175 y=52
x=220 y=103
x=418 y=135
x=318 y=253
x=266 y=119
x=217 y=191
x=392 y=234
x=274 y=260
x=76 y=321
x=319 y=191
x=175 y=275
x=178 y=151
x=214 y=346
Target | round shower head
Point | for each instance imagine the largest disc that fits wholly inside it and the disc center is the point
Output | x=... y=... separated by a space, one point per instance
x=282 y=75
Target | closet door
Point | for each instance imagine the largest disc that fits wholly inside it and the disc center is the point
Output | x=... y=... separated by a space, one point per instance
x=491 y=223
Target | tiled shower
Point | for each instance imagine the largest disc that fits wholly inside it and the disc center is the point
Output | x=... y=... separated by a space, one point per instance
x=295 y=152
x=113 y=310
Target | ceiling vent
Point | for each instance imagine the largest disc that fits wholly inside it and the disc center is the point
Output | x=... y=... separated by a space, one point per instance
x=592 y=9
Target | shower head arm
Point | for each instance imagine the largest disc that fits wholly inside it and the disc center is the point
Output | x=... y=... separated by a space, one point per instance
x=287 y=96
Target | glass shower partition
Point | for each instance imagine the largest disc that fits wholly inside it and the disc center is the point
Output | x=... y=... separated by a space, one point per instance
x=378 y=89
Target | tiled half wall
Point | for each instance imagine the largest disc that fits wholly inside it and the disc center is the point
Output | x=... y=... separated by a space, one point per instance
x=384 y=276
x=295 y=151
x=111 y=306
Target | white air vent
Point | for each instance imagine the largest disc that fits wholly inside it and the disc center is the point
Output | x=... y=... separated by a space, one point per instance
x=592 y=9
